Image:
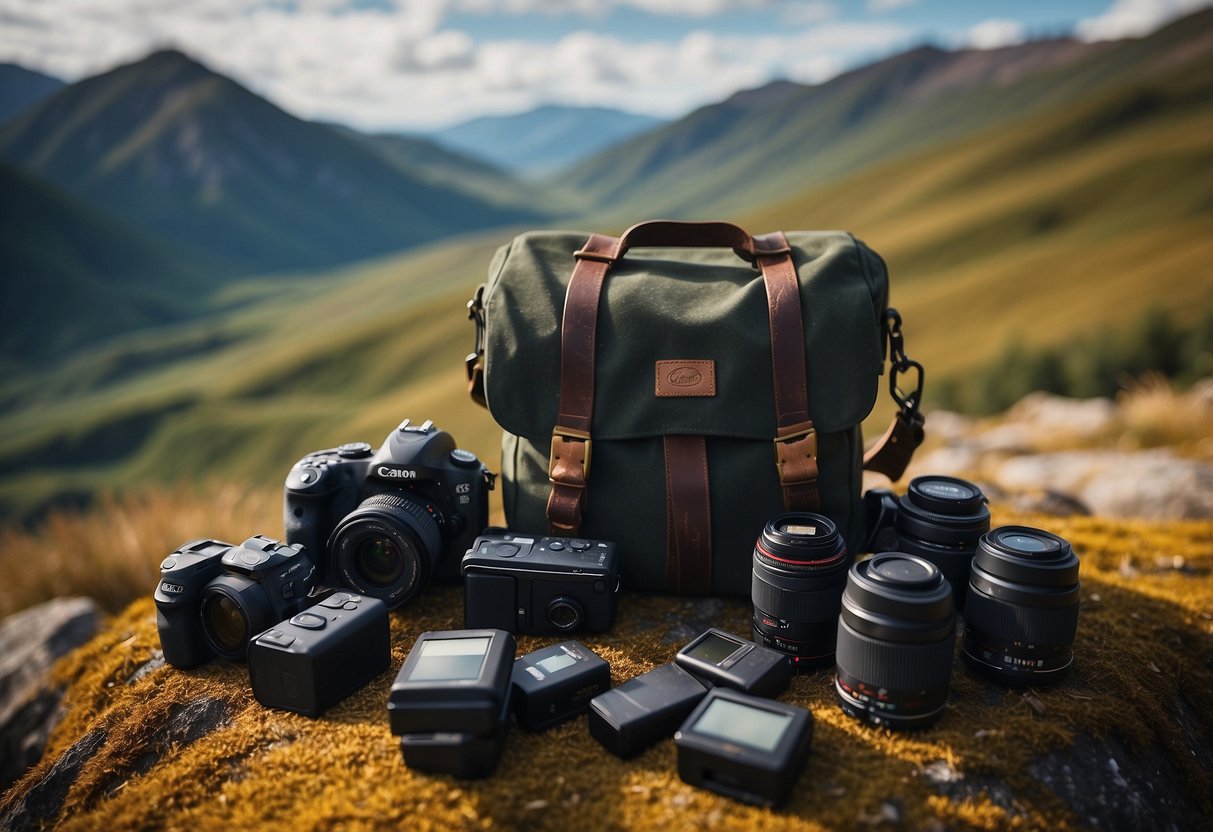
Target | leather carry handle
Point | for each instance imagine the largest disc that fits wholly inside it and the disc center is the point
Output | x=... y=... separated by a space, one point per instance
x=674 y=234
x=795 y=438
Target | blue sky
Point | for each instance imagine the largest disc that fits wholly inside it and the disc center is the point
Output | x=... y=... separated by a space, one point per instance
x=418 y=64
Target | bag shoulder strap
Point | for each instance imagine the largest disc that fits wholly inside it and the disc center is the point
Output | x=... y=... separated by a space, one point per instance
x=795 y=438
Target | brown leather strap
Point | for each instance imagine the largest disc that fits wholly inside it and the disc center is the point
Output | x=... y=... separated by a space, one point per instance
x=795 y=437
x=891 y=453
x=569 y=464
x=688 y=515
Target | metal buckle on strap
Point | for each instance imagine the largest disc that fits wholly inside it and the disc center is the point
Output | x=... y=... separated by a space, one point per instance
x=561 y=435
x=808 y=435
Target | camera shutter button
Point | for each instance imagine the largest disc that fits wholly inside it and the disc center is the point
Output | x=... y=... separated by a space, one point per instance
x=555 y=545
x=168 y=563
x=506 y=550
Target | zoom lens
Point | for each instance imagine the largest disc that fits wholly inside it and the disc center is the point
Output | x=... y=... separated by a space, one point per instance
x=800 y=568
x=940 y=519
x=386 y=548
x=1022 y=610
x=895 y=639
x=234 y=609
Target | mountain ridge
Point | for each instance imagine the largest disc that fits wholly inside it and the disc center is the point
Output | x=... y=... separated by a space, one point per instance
x=192 y=155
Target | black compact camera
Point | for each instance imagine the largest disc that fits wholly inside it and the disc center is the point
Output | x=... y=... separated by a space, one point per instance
x=213 y=597
x=540 y=585
x=385 y=523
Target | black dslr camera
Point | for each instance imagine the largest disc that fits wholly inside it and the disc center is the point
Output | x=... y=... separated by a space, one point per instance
x=541 y=586
x=236 y=591
x=384 y=523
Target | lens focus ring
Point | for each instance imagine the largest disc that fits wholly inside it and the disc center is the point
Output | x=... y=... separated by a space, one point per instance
x=893 y=665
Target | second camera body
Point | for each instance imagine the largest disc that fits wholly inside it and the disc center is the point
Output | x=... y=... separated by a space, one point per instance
x=540 y=585
x=234 y=592
x=385 y=523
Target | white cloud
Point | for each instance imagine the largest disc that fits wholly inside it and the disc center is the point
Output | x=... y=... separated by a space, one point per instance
x=882 y=6
x=1133 y=18
x=385 y=67
x=994 y=33
x=809 y=11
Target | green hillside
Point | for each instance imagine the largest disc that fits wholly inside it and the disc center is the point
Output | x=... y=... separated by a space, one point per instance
x=73 y=274
x=768 y=144
x=1075 y=220
x=193 y=156
x=1067 y=220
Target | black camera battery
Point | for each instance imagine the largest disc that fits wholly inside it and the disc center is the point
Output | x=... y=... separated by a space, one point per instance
x=557 y=683
x=724 y=660
x=644 y=710
x=468 y=756
x=453 y=681
x=316 y=658
x=744 y=747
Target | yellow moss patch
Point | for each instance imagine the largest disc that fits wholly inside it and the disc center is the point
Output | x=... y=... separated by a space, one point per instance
x=1143 y=678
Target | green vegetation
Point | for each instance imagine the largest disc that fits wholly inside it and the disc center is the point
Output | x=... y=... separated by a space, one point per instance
x=1097 y=364
x=1032 y=230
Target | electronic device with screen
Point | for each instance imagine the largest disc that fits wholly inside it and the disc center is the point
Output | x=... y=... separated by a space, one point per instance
x=724 y=660
x=644 y=710
x=469 y=756
x=453 y=681
x=557 y=683
x=313 y=660
x=744 y=747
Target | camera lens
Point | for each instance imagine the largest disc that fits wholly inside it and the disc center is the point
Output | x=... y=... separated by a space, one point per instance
x=234 y=609
x=225 y=621
x=800 y=568
x=564 y=614
x=379 y=561
x=386 y=548
x=895 y=638
x=1022 y=610
x=940 y=519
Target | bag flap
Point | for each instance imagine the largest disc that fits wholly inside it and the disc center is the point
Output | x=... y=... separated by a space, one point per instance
x=683 y=305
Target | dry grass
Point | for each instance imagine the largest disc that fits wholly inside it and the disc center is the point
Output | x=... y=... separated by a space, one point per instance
x=1153 y=414
x=112 y=553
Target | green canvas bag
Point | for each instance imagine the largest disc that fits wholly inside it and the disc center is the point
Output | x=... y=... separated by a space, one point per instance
x=674 y=388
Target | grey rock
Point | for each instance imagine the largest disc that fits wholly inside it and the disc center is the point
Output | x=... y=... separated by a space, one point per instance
x=30 y=643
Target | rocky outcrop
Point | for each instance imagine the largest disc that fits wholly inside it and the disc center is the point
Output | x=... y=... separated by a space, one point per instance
x=30 y=642
x=1054 y=455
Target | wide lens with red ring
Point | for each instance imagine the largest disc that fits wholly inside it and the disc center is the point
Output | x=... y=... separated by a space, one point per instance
x=800 y=569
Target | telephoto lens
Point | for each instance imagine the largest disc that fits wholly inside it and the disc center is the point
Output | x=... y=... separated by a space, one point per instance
x=939 y=519
x=895 y=639
x=800 y=568
x=1022 y=610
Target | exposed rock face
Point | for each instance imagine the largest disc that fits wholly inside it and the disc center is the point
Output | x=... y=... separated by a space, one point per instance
x=30 y=642
x=1054 y=455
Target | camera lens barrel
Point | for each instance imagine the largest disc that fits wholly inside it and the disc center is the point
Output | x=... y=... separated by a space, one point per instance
x=234 y=609
x=386 y=548
x=1022 y=611
x=896 y=632
x=941 y=519
x=800 y=568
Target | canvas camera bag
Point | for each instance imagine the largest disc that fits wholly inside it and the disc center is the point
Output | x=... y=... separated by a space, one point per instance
x=674 y=388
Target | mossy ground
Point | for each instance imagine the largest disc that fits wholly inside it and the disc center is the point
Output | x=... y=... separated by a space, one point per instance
x=1143 y=682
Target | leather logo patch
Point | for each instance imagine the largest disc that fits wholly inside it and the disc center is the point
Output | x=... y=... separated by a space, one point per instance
x=682 y=379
